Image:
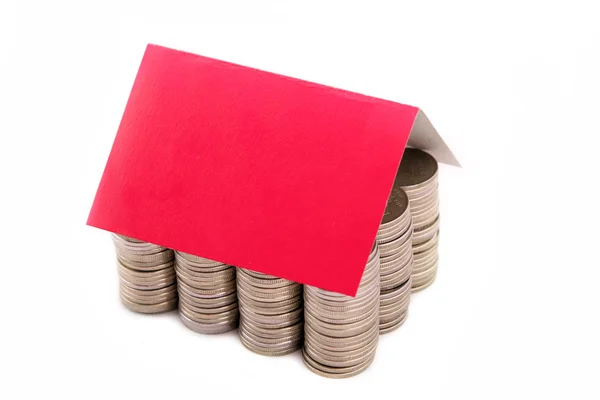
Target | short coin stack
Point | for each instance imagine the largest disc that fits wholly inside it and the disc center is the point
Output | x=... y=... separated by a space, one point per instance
x=418 y=176
x=342 y=332
x=147 y=277
x=271 y=313
x=207 y=294
x=396 y=257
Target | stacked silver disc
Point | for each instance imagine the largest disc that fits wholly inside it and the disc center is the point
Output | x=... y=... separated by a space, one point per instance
x=147 y=276
x=341 y=332
x=207 y=294
x=418 y=176
x=396 y=261
x=271 y=313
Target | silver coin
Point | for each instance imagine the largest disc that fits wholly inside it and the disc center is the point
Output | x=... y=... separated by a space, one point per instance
x=281 y=324
x=144 y=293
x=397 y=205
x=207 y=302
x=274 y=319
x=217 y=328
x=389 y=248
x=280 y=349
x=343 y=330
x=155 y=274
x=145 y=267
x=231 y=315
x=424 y=279
x=428 y=232
x=204 y=293
x=335 y=299
x=196 y=260
x=340 y=332
x=183 y=265
x=397 y=259
x=148 y=300
x=393 y=280
x=392 y=326
x=207 y=284
x=270 y=293
x=418 y=176
x=292 y=330
x=400 y=255
x=271 y=313
x=426 y=264
x=340 y=344
x=268 y=312
x=345 y=361
x=335 y=373
x=146 y=275
x=143 y=259
x=352 y=315
x=268 y=308
x=340 y=354
x=319 y=357
x=395 y=295
x=150 y=308
x=423 y=286
x=284 y=349
x=268 y=298
x=422 y=247
x=264 y=283
x=416 y=169
x=208 y=309
x=278 y=342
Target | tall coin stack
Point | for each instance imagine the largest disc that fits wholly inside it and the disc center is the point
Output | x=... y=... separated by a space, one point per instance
x=271 y=313
x=342 y=332
x=207 y=294
x=396 y=258
x=418 y=176
x=147 y=277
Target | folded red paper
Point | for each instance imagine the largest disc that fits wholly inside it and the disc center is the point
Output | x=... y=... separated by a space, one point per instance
x=251 y=168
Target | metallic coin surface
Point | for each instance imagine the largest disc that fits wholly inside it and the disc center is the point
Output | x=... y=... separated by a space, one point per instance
x=418 y=177
x=417 y=167
x=341 y=332
x=271 y=313
x=146 y=275
x=150 y=308
x=396 y=206
x=209 y=329
x=208 y=296
x=396 y=255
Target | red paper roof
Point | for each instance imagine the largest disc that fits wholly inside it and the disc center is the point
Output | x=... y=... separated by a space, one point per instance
x=251 y=168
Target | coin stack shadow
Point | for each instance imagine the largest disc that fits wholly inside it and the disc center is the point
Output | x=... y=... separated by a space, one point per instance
x=271 y=313
x=396 y=261
x=418 y=176
x=207 y=294
x=341 y=333
x=146 y=274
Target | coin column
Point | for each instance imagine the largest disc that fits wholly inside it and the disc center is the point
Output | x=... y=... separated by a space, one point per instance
x=207 y=294
x=418 y=176
x=271 y=313
x=396 y=258
x=341 y=332
x=147 y=276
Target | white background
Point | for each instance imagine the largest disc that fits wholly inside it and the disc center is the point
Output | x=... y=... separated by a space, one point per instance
x=514 y=88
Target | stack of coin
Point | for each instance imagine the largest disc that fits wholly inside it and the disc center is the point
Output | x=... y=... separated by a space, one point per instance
x=271 y=313
x=396 y=258
x=207 y=294
x=342 y=332
x=418 y=176
x=147 y=276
